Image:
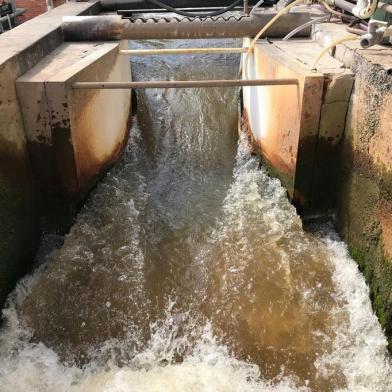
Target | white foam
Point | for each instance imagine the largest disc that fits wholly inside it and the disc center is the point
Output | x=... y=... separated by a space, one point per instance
x=207 y=367
x=360 y=347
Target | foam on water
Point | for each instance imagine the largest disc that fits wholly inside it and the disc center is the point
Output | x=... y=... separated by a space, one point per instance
x=208 y=365
x=359 y=348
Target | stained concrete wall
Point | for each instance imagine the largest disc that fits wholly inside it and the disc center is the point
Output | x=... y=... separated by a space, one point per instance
x=364 y=208
x=100 y=118
x=276 y=119
x=365 y=192
x=297 y=128
x=73 y=135
x=21 y=49
x=19 y=221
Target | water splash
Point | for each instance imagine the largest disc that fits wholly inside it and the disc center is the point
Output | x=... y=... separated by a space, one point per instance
x=188 y=269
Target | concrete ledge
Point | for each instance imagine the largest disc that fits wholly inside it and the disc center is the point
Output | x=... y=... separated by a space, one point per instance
x=74 y=135
x=348 y=52
x=292 y=127
x=276 y=119
x=21 y=49
x=42 y=32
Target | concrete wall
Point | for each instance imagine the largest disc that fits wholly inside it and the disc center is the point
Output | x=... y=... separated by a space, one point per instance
x=73 y=135
x=19 y=221
x=365 y=193
x=297 y=129
x=21 y=49
x=276 y=119
x=364 y=208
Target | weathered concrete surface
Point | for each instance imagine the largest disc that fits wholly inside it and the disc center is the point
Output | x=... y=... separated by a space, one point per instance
x=18 y=220
x=20 y=49
x=297 y=129
x=277 y=121
x=364 y=213
x=73 y=135
x=337 y=88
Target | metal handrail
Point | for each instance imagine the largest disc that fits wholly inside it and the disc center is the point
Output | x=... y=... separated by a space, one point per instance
x=182 y=84
x=182 y=51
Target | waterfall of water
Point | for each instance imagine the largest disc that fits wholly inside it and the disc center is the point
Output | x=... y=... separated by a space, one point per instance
x=189 y=270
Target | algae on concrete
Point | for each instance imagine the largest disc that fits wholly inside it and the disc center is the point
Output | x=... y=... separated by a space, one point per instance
x=364 y=199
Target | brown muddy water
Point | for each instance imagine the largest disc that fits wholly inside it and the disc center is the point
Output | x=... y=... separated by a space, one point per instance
x=189 y=270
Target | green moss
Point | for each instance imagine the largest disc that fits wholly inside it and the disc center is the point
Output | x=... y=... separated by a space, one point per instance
x=357 y=255
x=386 y=185
x=377 y=270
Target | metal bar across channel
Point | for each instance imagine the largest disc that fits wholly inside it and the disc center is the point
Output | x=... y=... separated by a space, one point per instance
x=154 y=52
x=182 y=84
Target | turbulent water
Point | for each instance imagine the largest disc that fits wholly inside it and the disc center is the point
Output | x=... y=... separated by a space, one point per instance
x=189 y=270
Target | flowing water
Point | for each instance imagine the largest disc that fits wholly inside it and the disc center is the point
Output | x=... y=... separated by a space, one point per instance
x=189 y=270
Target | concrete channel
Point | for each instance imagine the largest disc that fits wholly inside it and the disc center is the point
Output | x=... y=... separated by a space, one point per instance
x=324 y=130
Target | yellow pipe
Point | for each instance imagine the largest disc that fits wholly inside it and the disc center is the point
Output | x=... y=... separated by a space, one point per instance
x=264 y=29
x=331 y=45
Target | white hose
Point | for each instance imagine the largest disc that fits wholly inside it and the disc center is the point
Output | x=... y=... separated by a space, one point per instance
x=331 y=45
x=305 y=25
x=263 y=30
x=274 y=19
x=256 y=6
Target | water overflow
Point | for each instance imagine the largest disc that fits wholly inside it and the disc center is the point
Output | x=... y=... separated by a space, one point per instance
x=188 y=269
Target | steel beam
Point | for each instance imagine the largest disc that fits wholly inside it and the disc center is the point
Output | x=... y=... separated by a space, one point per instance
x=182 y=84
